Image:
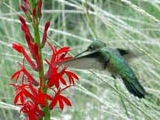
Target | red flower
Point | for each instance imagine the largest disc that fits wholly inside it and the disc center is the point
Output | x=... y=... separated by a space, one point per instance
x=58 y=98
x=39 y=8
x=42 y=98
x=32 y=110
x=33 y=47
x=71 y=76
x=59 y=55
x=25 y=28
x=34 y=16
x=25 y=6
x=44 y=39
x=29 y=77
x=23 y=92
x=54 y=77
x=54 y=74
x=20 y=49
x=32 y=99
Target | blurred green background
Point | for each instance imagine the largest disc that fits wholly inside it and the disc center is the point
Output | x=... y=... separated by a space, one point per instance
x=128 y=24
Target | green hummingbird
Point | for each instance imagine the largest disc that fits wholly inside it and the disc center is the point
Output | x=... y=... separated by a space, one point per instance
x=99 y=56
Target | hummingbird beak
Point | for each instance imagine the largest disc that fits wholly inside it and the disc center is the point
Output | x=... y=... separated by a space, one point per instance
x=81 y=53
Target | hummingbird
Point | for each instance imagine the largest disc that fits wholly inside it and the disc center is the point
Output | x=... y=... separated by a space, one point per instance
x=99 y=56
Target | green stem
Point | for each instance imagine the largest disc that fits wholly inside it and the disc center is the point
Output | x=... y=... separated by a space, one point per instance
x=46 y=109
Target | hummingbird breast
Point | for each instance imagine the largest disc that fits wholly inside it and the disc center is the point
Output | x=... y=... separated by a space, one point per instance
x=114 y=62
x=118 y=66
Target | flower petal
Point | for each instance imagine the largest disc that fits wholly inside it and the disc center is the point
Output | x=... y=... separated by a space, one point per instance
x=45 y=34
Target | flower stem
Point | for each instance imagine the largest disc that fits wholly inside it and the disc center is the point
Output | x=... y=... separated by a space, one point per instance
x=46 y=109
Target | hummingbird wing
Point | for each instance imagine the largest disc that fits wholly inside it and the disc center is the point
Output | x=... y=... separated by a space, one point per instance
x=87 y=61
x=126 y=54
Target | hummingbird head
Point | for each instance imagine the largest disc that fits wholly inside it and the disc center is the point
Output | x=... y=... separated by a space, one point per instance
x=95 y=45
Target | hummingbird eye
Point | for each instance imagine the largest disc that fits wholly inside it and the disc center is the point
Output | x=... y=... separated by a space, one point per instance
x=90 y=47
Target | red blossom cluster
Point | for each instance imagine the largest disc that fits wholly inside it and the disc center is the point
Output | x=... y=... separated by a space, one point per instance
x=30 y=95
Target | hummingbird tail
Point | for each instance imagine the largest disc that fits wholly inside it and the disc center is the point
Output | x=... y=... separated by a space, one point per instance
x=135 y=88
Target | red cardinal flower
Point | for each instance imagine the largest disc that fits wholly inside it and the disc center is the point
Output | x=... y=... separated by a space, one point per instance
x=32 y=95
x=58 y=98
x=25 y=28
x=39 y=8
x=71 y=76
x=26 y=74
x=54 y=77
x=44 y=39
x=20 y=49
x=32 y=110
x=25 y=6
x=22 y=92
x=42 y=98
x=33 y=47
x=59 y=55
